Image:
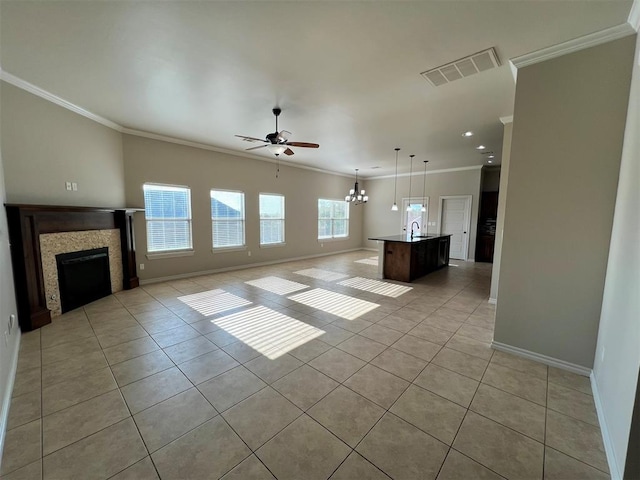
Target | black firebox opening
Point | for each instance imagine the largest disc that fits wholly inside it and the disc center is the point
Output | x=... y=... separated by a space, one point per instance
x=83 y=277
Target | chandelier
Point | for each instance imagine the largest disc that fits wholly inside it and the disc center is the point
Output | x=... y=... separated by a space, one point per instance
x=356 y=196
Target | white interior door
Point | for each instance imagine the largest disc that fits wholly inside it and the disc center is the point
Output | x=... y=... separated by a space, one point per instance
x=455 y=215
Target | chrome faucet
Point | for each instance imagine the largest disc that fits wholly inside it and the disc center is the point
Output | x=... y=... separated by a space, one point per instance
x=417 y=228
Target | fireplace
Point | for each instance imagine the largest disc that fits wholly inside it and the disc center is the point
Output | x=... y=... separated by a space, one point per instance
x=83 y=277
x=38 y=233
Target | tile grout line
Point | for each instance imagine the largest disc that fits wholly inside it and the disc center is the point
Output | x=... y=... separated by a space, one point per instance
x=410 y=383
x=467 y=409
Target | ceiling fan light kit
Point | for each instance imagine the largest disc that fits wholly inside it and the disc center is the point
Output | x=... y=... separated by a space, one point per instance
x=278 y=141
x=356 y=196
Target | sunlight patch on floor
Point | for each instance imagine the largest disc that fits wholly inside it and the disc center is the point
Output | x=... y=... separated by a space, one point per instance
x=368 y=261
x=320 y=274
x=376 y=286
x=268 y=332
x=277 y=285
x=213 y=301
x=337 y=304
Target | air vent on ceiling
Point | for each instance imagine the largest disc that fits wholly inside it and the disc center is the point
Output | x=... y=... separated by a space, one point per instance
x=463 y=67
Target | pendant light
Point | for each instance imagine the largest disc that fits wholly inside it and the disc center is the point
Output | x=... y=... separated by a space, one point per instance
x=410 y=173
x=394 y=207
x=424 y=188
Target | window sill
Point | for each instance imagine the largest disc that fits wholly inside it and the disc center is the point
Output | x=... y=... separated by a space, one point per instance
x=170 y=254
x=217 y=250
x=272 y=245
x=332 y=239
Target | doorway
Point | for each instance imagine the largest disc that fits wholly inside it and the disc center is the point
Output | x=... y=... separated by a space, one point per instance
x=415 y=214
x=454 y=219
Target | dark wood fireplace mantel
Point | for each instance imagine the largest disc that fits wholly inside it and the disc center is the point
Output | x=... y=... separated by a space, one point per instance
x=28 y=222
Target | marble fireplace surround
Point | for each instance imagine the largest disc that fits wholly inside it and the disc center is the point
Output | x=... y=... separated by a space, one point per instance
x=52 y=244
x=38 y=232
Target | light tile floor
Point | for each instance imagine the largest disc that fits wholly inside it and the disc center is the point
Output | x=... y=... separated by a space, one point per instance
x=336 y=375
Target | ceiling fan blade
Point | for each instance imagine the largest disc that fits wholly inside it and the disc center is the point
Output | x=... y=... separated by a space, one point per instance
x=288 y=151
x=302 y=144
x=283 y=136
x=251 y=139
x=255 y=148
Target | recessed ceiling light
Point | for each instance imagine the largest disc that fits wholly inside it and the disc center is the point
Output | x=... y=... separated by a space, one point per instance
x=468 y=134
x=490 y=161
x=491 y=156
x=480 y=147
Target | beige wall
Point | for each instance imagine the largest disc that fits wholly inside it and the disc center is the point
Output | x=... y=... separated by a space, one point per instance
x=8 y=351
x=618 y=353
x=157 y=161
x=568 y=127
x=380 y=220
x=44 y=146
x=502 y=202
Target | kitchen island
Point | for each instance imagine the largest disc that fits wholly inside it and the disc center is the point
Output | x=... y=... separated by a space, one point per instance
x=405 y=258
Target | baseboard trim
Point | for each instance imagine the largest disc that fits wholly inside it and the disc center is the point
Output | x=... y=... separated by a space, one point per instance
x=371 y=249
x=493 y=301
x=614 y=471
x=538 y=357
x=6 y=401
x=242 y=267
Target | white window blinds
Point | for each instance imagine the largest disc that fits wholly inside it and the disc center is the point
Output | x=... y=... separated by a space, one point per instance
x=271 y=219
x=168 y=216
x=227 y=218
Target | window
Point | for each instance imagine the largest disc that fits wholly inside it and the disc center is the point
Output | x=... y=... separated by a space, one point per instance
x=333 y=219
x=414 y=213
x=168 y=215
x=227 y=218
x=271 y=219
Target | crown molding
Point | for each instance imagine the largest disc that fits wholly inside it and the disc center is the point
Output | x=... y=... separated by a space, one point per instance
x=575 y=45
x=212 y=148
x=39 y=92
x=634 y=15
x=429 y=172
x=506 y=120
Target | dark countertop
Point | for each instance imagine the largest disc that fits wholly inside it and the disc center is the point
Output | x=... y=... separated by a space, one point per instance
x=405 y=238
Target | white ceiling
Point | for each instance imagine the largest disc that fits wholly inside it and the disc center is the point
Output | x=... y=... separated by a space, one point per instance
x=346 y=74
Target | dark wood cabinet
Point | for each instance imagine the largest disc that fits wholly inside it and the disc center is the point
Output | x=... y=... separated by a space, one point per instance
x=407 y=260
x=484 y=248
x=489 y=205
x=487 y=220
x=397 y=261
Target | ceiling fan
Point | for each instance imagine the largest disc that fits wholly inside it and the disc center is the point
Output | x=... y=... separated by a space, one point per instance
x=277 y=142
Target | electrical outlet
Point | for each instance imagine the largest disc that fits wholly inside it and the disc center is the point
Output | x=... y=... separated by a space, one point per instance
x=67 y=185
x=321 y=245
x=142 y=266
x=74 y=186
x=6 y=338
x=249 y=253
